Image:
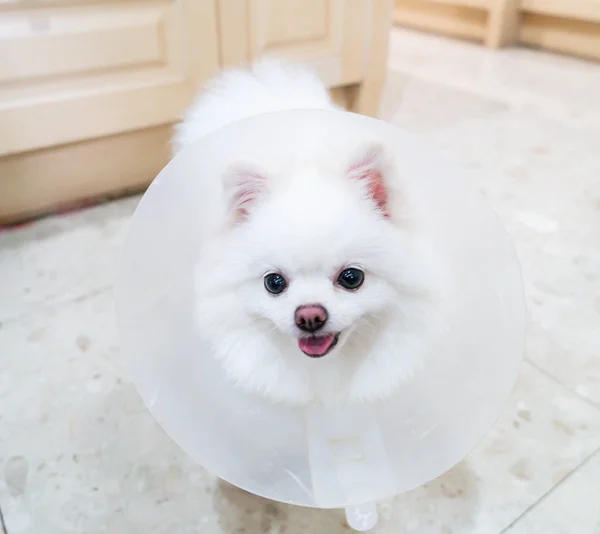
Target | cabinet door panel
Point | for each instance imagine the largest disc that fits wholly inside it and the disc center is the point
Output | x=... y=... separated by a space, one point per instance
x=328 y=35
x=71 y=71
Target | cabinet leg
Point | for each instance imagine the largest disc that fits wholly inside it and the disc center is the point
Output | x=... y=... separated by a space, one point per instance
x=503 y=23
x=363 y=98
x=366 y=96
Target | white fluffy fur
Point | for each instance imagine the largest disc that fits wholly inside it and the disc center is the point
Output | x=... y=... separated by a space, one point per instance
x=270 y=85
x=313 y=221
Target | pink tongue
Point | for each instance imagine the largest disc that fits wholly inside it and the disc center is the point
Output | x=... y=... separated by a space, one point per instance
x=316 y=346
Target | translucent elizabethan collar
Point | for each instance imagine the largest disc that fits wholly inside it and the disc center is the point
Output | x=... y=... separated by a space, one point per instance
x=314 y=457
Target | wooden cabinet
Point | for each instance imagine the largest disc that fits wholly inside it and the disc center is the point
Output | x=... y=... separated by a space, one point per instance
x=89 y=89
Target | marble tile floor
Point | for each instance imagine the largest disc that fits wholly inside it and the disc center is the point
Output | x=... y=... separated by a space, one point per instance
x=79 y=453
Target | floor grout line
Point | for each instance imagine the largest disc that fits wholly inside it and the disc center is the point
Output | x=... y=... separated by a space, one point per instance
x=2 y=523
x=565 y=386
x=546 y=495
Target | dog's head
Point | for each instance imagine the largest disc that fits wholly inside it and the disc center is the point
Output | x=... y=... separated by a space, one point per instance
x=312 y=266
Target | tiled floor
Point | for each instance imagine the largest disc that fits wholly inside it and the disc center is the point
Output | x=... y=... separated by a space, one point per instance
x=80 y=453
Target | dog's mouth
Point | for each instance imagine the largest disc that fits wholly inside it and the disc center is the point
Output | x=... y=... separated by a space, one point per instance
x=318 y=346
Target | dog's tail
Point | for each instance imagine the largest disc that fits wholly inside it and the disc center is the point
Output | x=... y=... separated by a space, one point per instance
x=268 y=85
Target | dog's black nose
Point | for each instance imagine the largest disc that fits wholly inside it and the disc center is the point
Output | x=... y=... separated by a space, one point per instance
x=310 y=318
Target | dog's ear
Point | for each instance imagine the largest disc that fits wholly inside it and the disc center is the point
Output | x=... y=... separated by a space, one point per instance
x=368 y=168
x=244 y=186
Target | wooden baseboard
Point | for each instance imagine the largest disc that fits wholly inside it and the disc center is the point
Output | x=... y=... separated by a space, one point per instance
x=39 y=182
x=568 y=36
x=465 y=22
x=570 y=9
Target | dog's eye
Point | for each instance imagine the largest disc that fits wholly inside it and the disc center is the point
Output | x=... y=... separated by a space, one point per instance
x=275 y=283
x=351 y=278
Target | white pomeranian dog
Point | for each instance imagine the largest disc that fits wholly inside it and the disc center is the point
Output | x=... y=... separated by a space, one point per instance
x=320 y=289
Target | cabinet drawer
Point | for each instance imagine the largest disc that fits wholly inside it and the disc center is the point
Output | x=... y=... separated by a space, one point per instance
x=76 y=42
x=75 y=72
